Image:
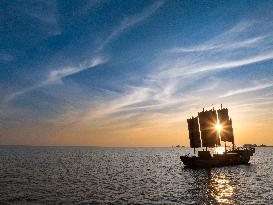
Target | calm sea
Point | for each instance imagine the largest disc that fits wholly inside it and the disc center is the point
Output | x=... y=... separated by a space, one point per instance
x=86 y=175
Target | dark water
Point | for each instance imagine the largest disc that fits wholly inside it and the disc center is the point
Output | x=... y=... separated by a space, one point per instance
x=77 y=175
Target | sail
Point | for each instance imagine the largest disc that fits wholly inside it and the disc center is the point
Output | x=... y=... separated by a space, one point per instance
x=194 y=133
x=209 y=135
x=227 y=131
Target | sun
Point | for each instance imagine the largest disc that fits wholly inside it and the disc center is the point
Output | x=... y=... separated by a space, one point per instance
x=218 y=127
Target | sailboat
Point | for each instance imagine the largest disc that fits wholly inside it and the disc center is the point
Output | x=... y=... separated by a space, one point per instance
x=206 y=130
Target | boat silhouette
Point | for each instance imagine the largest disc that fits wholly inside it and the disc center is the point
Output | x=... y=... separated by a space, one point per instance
x=207 y=130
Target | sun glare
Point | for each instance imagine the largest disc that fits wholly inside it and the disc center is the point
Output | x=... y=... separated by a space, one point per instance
x=219 y=150
x=218 y=127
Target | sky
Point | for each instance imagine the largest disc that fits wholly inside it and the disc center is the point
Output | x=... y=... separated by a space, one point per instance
x=130 y=72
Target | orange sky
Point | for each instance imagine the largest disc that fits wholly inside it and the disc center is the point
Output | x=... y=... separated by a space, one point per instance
x=154 y=131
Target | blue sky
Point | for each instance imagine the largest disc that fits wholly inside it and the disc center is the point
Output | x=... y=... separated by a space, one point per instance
x=127 y=73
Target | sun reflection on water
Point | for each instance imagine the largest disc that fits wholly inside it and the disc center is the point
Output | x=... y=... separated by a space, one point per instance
x=213 y=187
x=221 y=189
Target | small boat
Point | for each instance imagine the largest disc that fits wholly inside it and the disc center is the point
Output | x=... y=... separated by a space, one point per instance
x=207 y=130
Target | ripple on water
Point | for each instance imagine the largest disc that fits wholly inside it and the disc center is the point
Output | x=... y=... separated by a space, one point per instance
x=78 y=175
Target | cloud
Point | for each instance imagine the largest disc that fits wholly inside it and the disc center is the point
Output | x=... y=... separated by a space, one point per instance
x=171 y=90
x=220 y=46
x=203 y=65
x=131 y=21
x=233 y=64
x=19 y=93
x=228 y=40
x=138 y=103
x=56 y=76
x=247 y=47
x=247 y=89
x=175 y=85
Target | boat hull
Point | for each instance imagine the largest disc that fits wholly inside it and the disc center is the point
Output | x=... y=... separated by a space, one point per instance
x=218 y=160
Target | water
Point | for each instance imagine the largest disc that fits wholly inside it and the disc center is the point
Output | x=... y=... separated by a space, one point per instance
x=82 y=175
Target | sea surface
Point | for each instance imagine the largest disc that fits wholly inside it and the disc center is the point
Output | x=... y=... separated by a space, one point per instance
x=88 y=175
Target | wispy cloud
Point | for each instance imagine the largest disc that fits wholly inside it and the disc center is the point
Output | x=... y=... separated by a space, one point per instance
x=56 y=76
x=247 y=48
x=247 y=89
x=220 y=46
x=165 y=91
x=200 y=65
x=131 y=21
x=233 y=64
x=167 y=86
x=228 y=40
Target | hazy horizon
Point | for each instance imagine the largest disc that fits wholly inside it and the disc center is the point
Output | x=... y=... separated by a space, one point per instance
x=129 y=73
